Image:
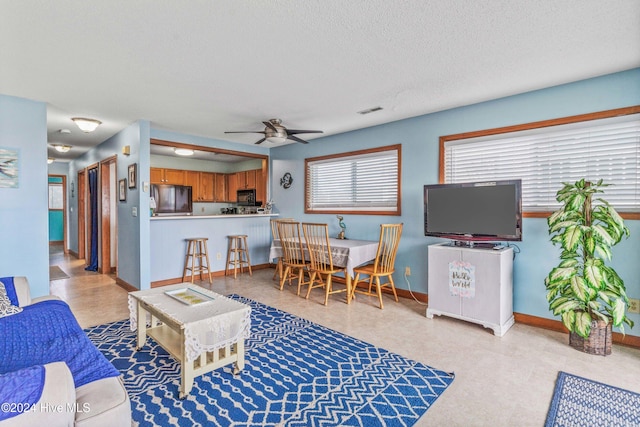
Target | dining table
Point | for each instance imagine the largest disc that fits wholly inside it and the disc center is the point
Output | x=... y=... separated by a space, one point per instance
x=347 y=253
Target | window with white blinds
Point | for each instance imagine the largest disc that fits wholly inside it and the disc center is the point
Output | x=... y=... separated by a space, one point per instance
x=544 y=158
x=359 y=182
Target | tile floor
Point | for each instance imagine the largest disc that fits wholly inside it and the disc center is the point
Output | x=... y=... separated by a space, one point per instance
x=504 y=381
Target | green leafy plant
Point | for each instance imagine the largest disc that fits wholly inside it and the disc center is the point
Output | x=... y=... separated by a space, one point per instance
x=582 y=288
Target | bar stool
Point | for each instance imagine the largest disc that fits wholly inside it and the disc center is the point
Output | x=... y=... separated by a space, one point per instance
x=237 y=254
x=197 y=252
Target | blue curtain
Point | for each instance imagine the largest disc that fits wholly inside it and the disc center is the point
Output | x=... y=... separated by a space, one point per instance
x=93 y=202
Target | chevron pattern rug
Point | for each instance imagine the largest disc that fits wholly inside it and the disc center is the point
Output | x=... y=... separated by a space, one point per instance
x=297 y=373
x=578 y=401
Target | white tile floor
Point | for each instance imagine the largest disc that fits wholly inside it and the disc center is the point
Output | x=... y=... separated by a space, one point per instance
x=504 y=381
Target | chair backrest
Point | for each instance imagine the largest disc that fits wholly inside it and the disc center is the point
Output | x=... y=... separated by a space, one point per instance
x=316 y=237
x=274 y=226
x=290 y=239
x=387 y=248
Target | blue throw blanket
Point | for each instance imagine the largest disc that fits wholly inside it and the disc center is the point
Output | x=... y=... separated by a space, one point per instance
x=48 y=332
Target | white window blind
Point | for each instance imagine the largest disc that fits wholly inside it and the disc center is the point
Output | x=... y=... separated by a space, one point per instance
x=354 y=182
x=544 y=158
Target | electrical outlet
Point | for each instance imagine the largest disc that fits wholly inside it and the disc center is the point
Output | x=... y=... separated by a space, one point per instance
x=407 y=271
x=218 y=255
x=634 y=305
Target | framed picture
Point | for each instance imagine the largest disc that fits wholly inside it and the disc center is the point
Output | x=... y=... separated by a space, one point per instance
x=122 y=189
x=132 y=176
x=9 y=167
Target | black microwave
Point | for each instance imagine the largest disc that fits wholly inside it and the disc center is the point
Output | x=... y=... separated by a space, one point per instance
x=246 y=197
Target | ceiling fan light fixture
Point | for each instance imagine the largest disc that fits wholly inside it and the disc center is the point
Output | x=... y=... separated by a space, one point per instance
x=276 y=139
x=183 y=151
x=62 y=148
x=86 y=125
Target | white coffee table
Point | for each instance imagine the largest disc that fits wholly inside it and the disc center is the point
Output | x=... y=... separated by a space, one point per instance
x=204 y=333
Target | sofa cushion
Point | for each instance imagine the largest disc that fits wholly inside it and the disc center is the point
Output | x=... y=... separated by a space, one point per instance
x=6 y=306
x=56 y=406
x=20 y=390
x=48 y=332
x=103 y=403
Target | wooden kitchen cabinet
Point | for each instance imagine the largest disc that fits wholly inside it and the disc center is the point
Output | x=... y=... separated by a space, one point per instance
x=202 y=185
x=167 y=176
x=232 y=187
x=220 y=187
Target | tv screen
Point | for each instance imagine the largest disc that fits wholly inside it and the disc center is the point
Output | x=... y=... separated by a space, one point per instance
x=474 y=211
x=172 y=199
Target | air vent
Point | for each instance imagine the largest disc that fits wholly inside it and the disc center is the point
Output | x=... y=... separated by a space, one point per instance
x=370 y=110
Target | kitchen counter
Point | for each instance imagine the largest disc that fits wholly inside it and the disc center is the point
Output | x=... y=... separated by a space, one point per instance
x=226 y=216
x=168 y=244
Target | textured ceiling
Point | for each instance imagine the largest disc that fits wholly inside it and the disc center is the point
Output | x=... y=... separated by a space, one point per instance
x=205 y=67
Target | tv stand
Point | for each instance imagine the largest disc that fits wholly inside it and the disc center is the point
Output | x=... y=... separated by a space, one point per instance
x=474 y=284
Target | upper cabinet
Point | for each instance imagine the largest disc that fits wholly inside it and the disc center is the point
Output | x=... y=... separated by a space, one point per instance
x=207 y=186
x=167 y=176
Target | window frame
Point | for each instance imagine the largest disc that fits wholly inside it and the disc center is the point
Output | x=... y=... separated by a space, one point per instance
x=536 y=125
x=348 y=211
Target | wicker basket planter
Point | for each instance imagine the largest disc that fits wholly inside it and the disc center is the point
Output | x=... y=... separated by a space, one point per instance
x=599 y=341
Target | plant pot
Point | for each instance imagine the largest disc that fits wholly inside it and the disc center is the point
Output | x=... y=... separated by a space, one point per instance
x=598 y=342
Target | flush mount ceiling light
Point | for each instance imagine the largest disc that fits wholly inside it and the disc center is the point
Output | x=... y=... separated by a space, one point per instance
x=86 y=125
x=61 y=147
x=50 y=160
x=183 y=151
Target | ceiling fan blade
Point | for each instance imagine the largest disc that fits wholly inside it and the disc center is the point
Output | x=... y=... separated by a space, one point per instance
x=270 y=126
x=295 y=138
x=261 y=141
x=294 y=131
x=247 y=131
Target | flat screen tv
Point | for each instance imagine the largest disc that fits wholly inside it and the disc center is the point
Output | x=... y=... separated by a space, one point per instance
x=474 y=211
x=172 y=199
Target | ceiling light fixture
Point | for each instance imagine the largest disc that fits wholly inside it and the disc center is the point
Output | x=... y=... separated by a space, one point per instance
x=86 y=125
x=61 y=147
x=276 y=139
x=65 y=131
x=183 y=151
x=50 y=160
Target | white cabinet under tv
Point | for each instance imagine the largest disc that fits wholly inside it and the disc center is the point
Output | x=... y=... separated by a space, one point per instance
x=472 y=284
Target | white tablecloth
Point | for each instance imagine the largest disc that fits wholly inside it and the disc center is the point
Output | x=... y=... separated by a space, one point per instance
x=345 y=252
x=207 y=326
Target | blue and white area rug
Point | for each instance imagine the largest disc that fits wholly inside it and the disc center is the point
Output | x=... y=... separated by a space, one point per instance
x=297 y=373
x=578 y=401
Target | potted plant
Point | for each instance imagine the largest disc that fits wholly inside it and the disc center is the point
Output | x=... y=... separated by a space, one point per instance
x=583 y=289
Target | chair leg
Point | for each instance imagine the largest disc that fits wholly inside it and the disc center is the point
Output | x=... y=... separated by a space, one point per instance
x=393 y=287
x=300 y=279
x=379 y=291
x=354 y=285
x=311 y=280
x=284 y=277
x=328 y=290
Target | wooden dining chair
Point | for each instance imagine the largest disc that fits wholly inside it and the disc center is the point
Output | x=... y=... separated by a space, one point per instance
x=321 y=260
x=294 y=261
x=383 y=265
x=274 y=234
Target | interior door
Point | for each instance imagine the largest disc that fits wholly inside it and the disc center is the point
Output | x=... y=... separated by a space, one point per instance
x=82 y=218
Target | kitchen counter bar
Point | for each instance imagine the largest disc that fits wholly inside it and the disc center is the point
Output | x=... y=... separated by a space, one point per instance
x=226 y=216
x=169 y=234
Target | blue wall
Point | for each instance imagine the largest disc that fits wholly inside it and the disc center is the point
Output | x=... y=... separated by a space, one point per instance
x=133 y=231
x=419 y=137
x=23 y=211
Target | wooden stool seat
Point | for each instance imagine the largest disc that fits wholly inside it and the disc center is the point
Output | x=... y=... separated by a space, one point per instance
x=237 y=254
x=197 y=259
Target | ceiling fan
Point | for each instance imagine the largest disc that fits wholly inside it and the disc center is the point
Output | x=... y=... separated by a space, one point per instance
x=275 y=132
